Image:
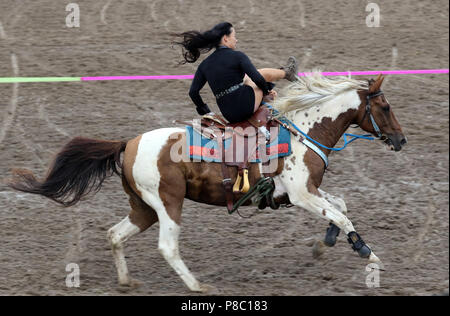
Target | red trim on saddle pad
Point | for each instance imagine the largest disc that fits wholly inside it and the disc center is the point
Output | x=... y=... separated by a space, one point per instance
x=211 y=153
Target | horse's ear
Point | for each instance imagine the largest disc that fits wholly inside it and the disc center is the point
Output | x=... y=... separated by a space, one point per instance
x=381 y=80
x=376 y=85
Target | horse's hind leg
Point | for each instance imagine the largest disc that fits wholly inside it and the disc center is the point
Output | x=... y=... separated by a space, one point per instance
x=169 y=231
x=140 y=218
x=162 y=184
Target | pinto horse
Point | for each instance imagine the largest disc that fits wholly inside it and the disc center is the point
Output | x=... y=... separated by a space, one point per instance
x=157 y=184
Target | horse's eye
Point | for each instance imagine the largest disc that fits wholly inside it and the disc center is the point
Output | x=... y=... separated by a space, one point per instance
x=386 y=108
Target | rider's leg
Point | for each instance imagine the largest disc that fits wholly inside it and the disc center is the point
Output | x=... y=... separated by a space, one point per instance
x=271 y=74
x=288 y=72
x=257 y=90
x=258 y=99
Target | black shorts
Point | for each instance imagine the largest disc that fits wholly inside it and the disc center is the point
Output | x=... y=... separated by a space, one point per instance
x=239 y=105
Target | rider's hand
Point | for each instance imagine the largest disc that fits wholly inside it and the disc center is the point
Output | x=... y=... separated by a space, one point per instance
x=273 y=94
x=202 y=110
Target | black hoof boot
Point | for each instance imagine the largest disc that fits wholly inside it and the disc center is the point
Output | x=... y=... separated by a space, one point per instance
x=359 y=245
x=332 y=233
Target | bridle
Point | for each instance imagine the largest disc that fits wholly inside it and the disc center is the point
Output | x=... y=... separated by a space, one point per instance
x=369 y=112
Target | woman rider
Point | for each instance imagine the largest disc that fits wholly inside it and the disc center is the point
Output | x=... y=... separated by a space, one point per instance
x=238 y=86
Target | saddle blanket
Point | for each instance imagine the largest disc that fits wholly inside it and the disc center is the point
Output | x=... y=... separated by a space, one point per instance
x=202 y=148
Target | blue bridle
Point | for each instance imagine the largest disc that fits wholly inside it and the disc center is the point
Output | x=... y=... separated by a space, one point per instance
x=311 y=143
x=368 y=111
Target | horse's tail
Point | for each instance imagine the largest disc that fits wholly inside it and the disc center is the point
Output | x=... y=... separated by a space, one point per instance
x=80 y=167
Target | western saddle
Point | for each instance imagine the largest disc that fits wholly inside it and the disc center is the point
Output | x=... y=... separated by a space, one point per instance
x=245 y=138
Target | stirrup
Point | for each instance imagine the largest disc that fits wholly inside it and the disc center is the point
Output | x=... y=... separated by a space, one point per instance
x=245 y=184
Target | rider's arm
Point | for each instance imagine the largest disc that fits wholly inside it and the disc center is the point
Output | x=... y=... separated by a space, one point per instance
x=194 y=92
x=253 y=73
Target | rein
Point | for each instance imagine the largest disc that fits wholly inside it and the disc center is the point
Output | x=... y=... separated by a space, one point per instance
x=346 y=142
x=311 y=143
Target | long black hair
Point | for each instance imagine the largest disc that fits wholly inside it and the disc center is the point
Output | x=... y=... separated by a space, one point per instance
x=195 y=43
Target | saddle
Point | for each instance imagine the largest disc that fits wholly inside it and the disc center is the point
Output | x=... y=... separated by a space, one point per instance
x=244 y=139
x=239 y=143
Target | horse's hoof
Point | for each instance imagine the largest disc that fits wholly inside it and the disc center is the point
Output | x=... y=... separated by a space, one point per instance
x=332 y=232
x=374 y=259
x=131 y=285
x=207 y=289
x=318 y=249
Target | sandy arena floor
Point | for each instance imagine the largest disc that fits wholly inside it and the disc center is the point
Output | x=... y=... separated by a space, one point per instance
x=397 y=201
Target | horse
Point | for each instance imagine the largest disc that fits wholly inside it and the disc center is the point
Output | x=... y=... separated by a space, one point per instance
x=157 y=184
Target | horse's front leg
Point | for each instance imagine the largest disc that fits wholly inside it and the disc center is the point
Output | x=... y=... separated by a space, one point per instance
x=312 y=200
x=333 y=231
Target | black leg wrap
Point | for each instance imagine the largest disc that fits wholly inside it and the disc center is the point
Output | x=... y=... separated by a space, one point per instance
x=359 y=245
x=332 y=232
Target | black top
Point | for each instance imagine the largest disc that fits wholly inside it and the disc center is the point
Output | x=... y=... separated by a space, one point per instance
x=222 y=69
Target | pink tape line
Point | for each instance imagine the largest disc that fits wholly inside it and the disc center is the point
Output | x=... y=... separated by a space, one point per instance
x=301 y=74
x=137 y=77
x=384 y=72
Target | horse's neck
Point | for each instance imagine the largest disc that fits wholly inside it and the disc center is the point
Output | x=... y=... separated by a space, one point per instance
x=327 y=122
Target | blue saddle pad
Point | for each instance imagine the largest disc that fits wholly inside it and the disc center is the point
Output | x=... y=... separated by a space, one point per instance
x=202 y=148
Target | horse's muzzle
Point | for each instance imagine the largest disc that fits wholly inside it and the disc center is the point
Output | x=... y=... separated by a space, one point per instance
x=396 y=141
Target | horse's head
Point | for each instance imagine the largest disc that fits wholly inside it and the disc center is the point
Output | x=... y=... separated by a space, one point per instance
x=375 y=115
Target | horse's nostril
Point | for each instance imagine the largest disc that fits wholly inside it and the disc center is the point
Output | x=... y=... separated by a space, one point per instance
x=403 y=141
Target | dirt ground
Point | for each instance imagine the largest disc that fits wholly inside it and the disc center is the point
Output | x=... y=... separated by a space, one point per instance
x=398 y=202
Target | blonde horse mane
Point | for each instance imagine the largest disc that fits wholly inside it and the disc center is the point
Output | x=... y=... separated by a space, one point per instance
x=314 y=89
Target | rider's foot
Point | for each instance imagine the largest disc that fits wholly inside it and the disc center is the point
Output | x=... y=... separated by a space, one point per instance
x=291 y=69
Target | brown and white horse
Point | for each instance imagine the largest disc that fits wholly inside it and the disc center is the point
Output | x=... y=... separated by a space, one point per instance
x=157 y=184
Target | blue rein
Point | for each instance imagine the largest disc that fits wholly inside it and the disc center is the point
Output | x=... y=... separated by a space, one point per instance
x=311 y=143
x=346 y=142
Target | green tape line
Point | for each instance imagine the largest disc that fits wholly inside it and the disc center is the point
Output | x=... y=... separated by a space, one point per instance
x=37 y=79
